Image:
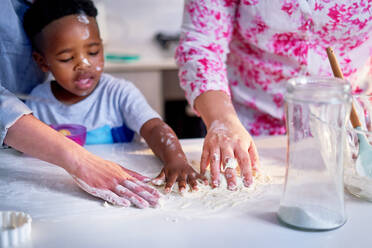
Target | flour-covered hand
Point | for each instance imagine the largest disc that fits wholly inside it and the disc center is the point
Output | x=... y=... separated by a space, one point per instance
x=179 y=171
x=115 y=184
x=226 y=146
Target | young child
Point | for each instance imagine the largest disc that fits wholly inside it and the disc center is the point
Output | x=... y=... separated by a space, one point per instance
x=67 y=43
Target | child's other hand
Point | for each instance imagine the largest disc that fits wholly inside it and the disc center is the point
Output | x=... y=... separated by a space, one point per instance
x=180 y=172
x=166 y=146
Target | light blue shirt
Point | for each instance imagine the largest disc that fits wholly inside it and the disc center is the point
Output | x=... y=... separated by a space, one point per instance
x=113 y=103
x=19 y=73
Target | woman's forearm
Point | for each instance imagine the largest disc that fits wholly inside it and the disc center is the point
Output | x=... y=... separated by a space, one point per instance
x=215 y=105
x=33 y=137
x=98 y=177
x=226 y=142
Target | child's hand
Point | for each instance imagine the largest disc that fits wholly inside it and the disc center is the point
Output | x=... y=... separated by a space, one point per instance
x=180 y=172
x=165 y=144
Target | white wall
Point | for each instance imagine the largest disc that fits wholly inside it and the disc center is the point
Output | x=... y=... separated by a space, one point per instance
x=131 y=24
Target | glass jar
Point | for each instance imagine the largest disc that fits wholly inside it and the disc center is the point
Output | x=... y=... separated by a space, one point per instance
x=317 y=110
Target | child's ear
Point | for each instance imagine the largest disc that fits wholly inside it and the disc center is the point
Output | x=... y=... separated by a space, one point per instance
x=40 y=60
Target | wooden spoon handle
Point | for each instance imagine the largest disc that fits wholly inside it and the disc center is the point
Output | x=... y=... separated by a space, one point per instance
x=338 y=73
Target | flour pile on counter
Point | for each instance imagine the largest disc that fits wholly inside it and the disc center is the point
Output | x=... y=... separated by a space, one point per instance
x=210 y=201
x=207 y=201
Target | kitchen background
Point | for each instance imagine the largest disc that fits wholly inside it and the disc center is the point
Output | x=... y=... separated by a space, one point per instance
x=140 y=38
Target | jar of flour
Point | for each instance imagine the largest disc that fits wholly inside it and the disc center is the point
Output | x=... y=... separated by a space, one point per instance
x=317 y=110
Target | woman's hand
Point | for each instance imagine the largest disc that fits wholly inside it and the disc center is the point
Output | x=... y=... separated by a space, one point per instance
x=115 y=184
x=227 y=143
x=179 y=171
x=99 y=177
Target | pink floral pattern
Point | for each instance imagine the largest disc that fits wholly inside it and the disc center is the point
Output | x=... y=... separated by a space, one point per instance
x=249 y=48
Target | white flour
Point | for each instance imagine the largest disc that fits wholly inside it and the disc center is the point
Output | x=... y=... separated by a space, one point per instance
x=85 y=61
x=83 y=19
x=314 y=217
x=48 y=193
x=207 y=201
x=220 y=201
x=218 y=126
x=169 y=139
x=86 y=34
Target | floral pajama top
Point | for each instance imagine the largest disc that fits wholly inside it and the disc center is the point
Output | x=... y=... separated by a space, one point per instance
x=249 y=48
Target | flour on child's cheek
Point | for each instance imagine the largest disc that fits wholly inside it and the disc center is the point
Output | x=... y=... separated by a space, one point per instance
x=98 y=68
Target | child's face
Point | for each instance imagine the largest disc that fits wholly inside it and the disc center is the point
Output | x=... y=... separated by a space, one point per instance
x=72 y=50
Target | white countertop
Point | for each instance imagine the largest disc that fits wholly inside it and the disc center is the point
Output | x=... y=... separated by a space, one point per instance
x=151 y=58
x=142 y=64
x=64 y=216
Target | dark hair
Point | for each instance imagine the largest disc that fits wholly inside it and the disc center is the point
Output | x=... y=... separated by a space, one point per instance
x=43 y=12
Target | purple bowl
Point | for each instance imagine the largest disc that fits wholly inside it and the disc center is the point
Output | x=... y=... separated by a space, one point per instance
x=77 y=133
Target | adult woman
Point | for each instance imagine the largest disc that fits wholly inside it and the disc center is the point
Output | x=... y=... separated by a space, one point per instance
x=245 y=50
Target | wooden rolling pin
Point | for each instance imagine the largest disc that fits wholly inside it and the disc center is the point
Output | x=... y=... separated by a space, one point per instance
x=338 y=73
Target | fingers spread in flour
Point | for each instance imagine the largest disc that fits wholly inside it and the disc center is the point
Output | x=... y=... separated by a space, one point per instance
x=191 y=180
x=160 y=179
x=215 y=163
x=204 y=161
x=182 y=183
x=253 y=154
x=141 y=192
x=104 y=194
x=148 y=188
x=132 y=197
x=171 y=179
x=245 y=166
x=230 y=175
